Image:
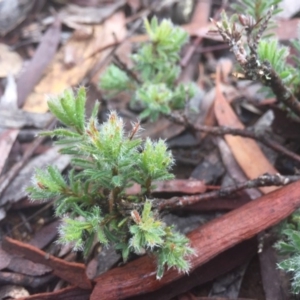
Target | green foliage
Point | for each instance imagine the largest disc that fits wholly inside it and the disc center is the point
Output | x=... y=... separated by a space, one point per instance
x=270 y=50
x=148 y=233
x=70 y=114
x=156 y=97
x=257 y=9
x=116 y=80
x=296 y=58
x=82 y=230
x=156 y=67
x=91 y=199
x=256 y=55
x=173 y=252
x=160 y=57
x=289 y=246
x=266 y=60
x=170 y=247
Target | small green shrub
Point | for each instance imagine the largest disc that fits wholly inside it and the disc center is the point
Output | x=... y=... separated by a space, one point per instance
x=289 y=247
x=156 y=69
x=92 y=199
x=262 y=59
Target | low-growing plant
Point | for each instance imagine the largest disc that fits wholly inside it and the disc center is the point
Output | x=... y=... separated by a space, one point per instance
x=152 y=82
x=262 y=58
x=289 y=247
x=91 y=199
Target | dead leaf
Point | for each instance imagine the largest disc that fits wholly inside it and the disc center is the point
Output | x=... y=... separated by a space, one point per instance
x=45 y=235
x=13 y=292
x=41 y=59
x=71 y=272
x=10 y=61
x=16 y=189
x=73 y=14
x=7 y=139
x=284 y=31
x=86 y=52
x=246 y=151
x=5 y=258
x=9 y=99
x=27 y=267
x=18 y=119
x=162 y=128
x=134 y=4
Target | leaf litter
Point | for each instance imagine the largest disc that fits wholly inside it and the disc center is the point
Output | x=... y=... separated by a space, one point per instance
x=66 y=57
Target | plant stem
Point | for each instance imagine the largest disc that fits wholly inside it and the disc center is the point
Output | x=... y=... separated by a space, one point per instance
x=222 y=130
x=264 y=180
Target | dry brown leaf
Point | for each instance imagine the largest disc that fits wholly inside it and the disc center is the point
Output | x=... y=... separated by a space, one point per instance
x=10 y=61
x=16 y=190
x=73 y=15
x=42 y=58
x=162 y=128
x=286 y=30
x=7 y=139
x=71 y=272
x=134 y=4
x=246 y=151
x=5 y=258
x=60 y=75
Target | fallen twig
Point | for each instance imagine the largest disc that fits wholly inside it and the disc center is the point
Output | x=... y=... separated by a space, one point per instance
x=259 y=136
x=223 y=130
x=264 y=180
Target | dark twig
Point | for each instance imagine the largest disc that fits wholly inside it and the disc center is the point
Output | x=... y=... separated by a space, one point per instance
x=283 y=93
x=259 y=136
x=264 y=180
x=223 y=130
x=126 y=69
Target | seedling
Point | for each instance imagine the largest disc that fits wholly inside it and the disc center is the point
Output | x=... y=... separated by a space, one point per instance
x=91 y=199
x=152 y=82
x=264 y=59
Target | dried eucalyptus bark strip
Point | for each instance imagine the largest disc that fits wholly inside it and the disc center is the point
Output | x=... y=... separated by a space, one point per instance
x=139 y=277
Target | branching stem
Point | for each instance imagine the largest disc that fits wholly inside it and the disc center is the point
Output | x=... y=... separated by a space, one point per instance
x=261 y=181
x=223 y=130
